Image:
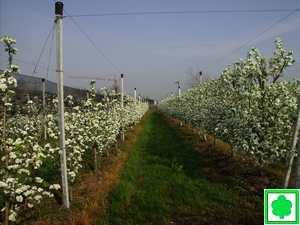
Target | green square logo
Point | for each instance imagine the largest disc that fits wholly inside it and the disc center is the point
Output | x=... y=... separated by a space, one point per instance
x=281 y=206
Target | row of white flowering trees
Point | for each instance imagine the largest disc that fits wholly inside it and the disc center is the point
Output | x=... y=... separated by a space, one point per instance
x=247 y=106
x=90 y=128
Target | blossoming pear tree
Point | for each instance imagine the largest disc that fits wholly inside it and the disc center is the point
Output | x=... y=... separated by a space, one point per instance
x=91 y=127
x=248 y=106
x=21 y=150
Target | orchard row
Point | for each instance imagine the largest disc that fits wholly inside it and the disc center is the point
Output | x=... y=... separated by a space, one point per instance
x=248 y=106
x=30 y=140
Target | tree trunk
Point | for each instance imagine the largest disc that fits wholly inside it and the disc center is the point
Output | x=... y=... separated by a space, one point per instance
x=7 y=209
x=71 y=193
x=95 y=160
x=215 y=141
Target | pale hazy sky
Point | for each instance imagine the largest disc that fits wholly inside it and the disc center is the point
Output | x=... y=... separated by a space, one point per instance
x=152 y=50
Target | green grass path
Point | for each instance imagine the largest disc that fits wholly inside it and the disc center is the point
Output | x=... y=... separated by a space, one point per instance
x=163 y=183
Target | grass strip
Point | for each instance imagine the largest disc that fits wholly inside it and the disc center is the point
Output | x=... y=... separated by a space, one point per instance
x=164 y=182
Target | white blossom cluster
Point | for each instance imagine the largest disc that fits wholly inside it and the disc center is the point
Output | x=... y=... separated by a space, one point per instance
x=94 y=126
x=247 y=106
x=22 y=152
x=89 y=126
x=24 y=155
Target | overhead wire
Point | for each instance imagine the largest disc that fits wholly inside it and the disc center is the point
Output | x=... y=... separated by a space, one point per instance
x=129 y=82
x=35 y=65
x=93 y=43
x=164 y=12
x=23 y=61
x=183 y=12
x=50 y=54
x=42 y=67
x=51 y=31
x=194 y=12
x=251 y=39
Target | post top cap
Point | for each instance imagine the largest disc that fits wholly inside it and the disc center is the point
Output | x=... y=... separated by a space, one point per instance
x=59 y=8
